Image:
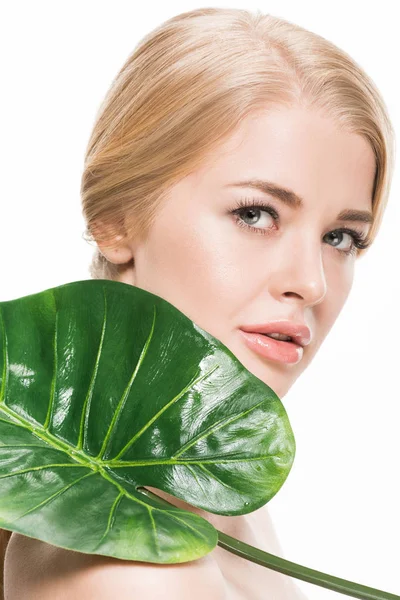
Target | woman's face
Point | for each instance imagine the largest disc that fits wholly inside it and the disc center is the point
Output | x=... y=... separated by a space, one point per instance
x=288 y=265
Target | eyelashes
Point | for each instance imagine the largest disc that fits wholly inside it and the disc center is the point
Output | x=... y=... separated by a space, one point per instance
x=360 y=240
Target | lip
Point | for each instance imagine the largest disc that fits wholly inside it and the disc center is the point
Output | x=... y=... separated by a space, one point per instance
x=275 y=350
x=299 y=332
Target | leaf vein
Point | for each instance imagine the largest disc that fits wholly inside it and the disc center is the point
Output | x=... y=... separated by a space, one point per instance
x=111 y=517
x=54 y=378
x=198 y=481
x=124 y=397
x=40 y=468
x=162 y=410
x=83 y=426
x=154 y=530
x=50 y=498
x=217 y=478
x=197 y=532
x=215 y=427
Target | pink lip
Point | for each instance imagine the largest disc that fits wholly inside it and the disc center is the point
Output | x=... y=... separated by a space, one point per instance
x=299 y=332
x=275 y=350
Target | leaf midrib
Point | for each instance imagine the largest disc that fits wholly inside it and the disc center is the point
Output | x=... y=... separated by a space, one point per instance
x=83 y=458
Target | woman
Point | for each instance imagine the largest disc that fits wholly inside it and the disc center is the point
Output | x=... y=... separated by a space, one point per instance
x=238 y=168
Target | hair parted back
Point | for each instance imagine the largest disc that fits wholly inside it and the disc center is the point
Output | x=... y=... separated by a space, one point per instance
x=187 y=86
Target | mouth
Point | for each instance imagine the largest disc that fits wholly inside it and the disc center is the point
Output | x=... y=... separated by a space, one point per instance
x=278 y=350
x=286 y=330
x=279 y=337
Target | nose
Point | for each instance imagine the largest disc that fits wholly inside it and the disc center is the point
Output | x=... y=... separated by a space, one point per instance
x=300 y=271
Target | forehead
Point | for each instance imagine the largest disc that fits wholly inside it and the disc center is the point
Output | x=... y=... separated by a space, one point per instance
x=298 y=148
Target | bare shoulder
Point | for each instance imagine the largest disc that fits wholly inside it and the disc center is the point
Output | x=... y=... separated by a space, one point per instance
x=35 y=570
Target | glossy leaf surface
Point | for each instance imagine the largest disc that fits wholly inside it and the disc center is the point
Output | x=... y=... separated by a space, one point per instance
x=106 y=388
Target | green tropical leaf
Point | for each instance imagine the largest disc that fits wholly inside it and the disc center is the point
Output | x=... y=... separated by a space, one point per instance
x=106 y=388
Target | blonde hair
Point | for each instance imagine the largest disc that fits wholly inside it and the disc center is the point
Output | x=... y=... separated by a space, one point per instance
x=187 y=86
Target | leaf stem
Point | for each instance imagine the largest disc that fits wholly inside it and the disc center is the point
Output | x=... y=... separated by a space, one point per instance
x=276 y=563
x=343 y=586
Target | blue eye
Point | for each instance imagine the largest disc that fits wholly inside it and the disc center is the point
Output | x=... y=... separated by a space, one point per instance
x=253 y=206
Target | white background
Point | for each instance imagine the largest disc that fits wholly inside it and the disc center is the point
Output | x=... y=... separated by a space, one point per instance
x=338 y=511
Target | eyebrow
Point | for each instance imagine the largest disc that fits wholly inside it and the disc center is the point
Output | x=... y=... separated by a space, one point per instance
x=296 y=202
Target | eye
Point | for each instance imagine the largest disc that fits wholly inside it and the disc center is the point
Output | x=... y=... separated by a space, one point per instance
x=339 y=234
x=251 y=209
x=246 y=210
x=359 y=240
x=253 y=215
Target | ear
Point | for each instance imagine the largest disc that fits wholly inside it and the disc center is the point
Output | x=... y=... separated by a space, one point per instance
x=114 y=248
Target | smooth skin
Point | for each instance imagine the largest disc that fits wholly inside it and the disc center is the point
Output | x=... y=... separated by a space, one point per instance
x=223 y=276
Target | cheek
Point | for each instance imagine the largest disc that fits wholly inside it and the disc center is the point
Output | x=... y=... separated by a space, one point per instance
x=342 y=284
x=339 y=284
x=196 y=267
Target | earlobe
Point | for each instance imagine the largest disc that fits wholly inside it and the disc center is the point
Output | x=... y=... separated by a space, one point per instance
x=110 y=245
x=114 y=253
